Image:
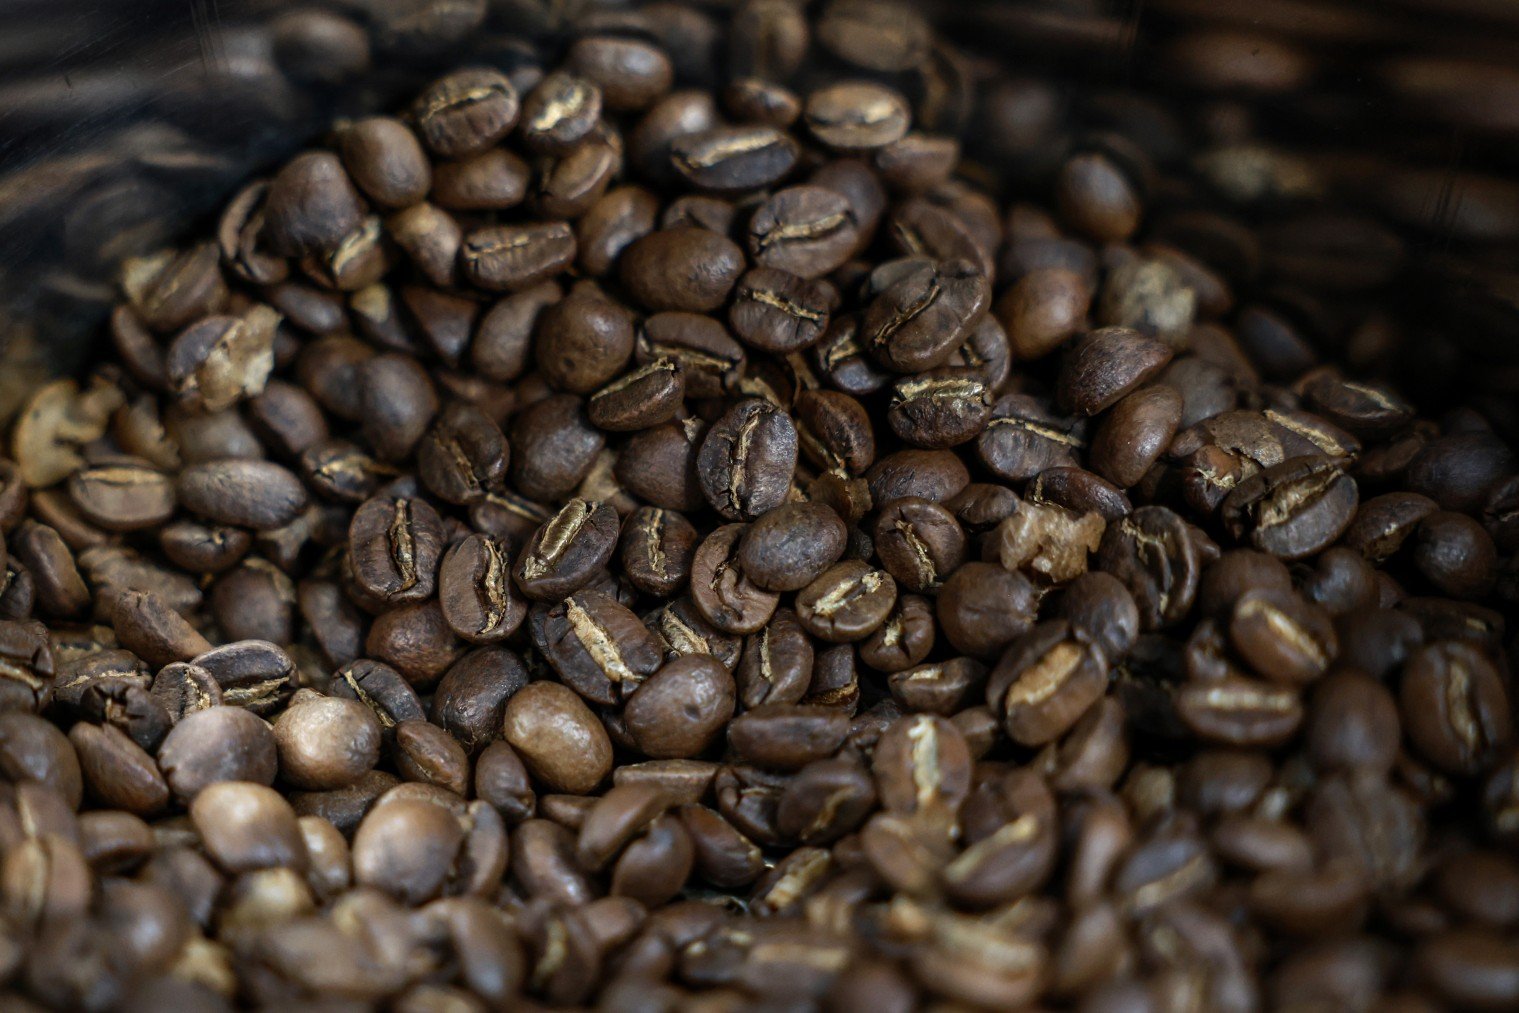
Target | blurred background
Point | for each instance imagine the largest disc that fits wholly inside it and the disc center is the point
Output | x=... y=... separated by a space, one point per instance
x=1375 y=144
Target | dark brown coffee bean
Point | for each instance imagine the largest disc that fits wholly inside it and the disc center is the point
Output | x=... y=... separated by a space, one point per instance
x=394 y=546
x=734 y=158
x=1282 y=637
x=1292 y=509
x=656 y=550
x=939 y=688
x=1023 y=439
x=683 y=269
x=721 y=588
x=1239 y=711
x=826 y=800
x=559 y=739
x=466 y=112
x=924 y=314
x=847 y=602
x=381 y=689
x=940 y=409
x=1105 y=365
x=982 y=608
x=560 y=112
x=747 y=459
x=1098 y=198
x=834 y=430
x=1352 y=724
x=725 y=858
x=553 y=448
x=1014 y=859
x=155 y=632
x=904 y=639
x=789 y=546
x=709 y=360
x=1456 y=555
x=463 y=456
x=472 y=695
x=415 y=641
x=311 y=206
x=1455 y=707
x=647 y=396
x=566 y=552
x=786 y=737
x=936 y=475
x=804 y=230
x=480 y=601
x=253 y=674
x=631 y=73
x=1045 y=682
x=919 y=542
x=682 y=708
x=122 y=494
x=182 y=689
x=857 y=116
x=583 y=342
x=217 y=744
x=617 y=218
x=776 y=311
x=516 y=257
x=386 y=161
x=1135 y=433
x=326 y=742
x=777 y=663
x=242 y=493
x=1153 y=553
x=599 y=647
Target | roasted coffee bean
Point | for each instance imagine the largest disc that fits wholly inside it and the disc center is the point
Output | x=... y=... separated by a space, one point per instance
x=776 y=666
x=904 y=639
x=217 y=744
x=599 y=647
x=553 y=448
x=940 y=409
x=856 y=116
x=1239 y=711
x=776 y=311
x=982 y=608
x=640 y=399
x=466 y=112
x=847 y=602
x=242 y=493
x=747 y=459
x=919 y=542
x=1282 y=637
x=253 y=674
x=938 y=688
x=791 y=545
x=565 y=553
x=380 y=688
x=924 y=314
x=155 y=632
x=657 y=547
x=1106 y=365
x=464 y=456
x=1023 y=439
x=471 y=696
x=394 y=546
x=1455 y=707
x=710 y=361
x=805 y=230
x=1292 y=509
x=516 y=257
x=325 y=742
x=564 y=746
x=786 y=736
x=386 y=161
x=1153 y=553
x=415 y=640
x=721 y=588
x=686 y=270
x=1045 y=682
x=682 y=708
x=480 y=601
x=734 y=158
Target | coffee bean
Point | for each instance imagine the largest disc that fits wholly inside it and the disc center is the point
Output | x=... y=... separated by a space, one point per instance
x=564 y=746
x=1105 y=365
x=734 y=158
x=386 y=161
x=1282 y=637
x=466 y=112
x=647 y=396
x=805 y=230
x=155 y=632
x=708 y=359
x=394 y=545
x=599 y=647
x=721 y=588
x=463 y=456
x=479 y=599
x=982 y=608
x=553 y=448
x=904 y=639
x=776 y=311
x=415 y=640
x=214 y=745
x=919 y=542
x=923 y=315
x=516 y=257
x=789 y=546
x=847 y=602
x=326 y=743
x=940 y=409
x=472 y=695
x=854 y=116
x=242 y=493
x=565 y=553
x=1045 y=682
x=786 y=737
x=682 y=708
x=1292 y=509
x=1023 y=439
x=746 y=462
x=1153 y=553
x=657 y=547
x=685 y=269
x=1455 y=707
x=560 y=112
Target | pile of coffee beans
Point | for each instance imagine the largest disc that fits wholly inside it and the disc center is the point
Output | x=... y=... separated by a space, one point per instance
x=592 y=541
